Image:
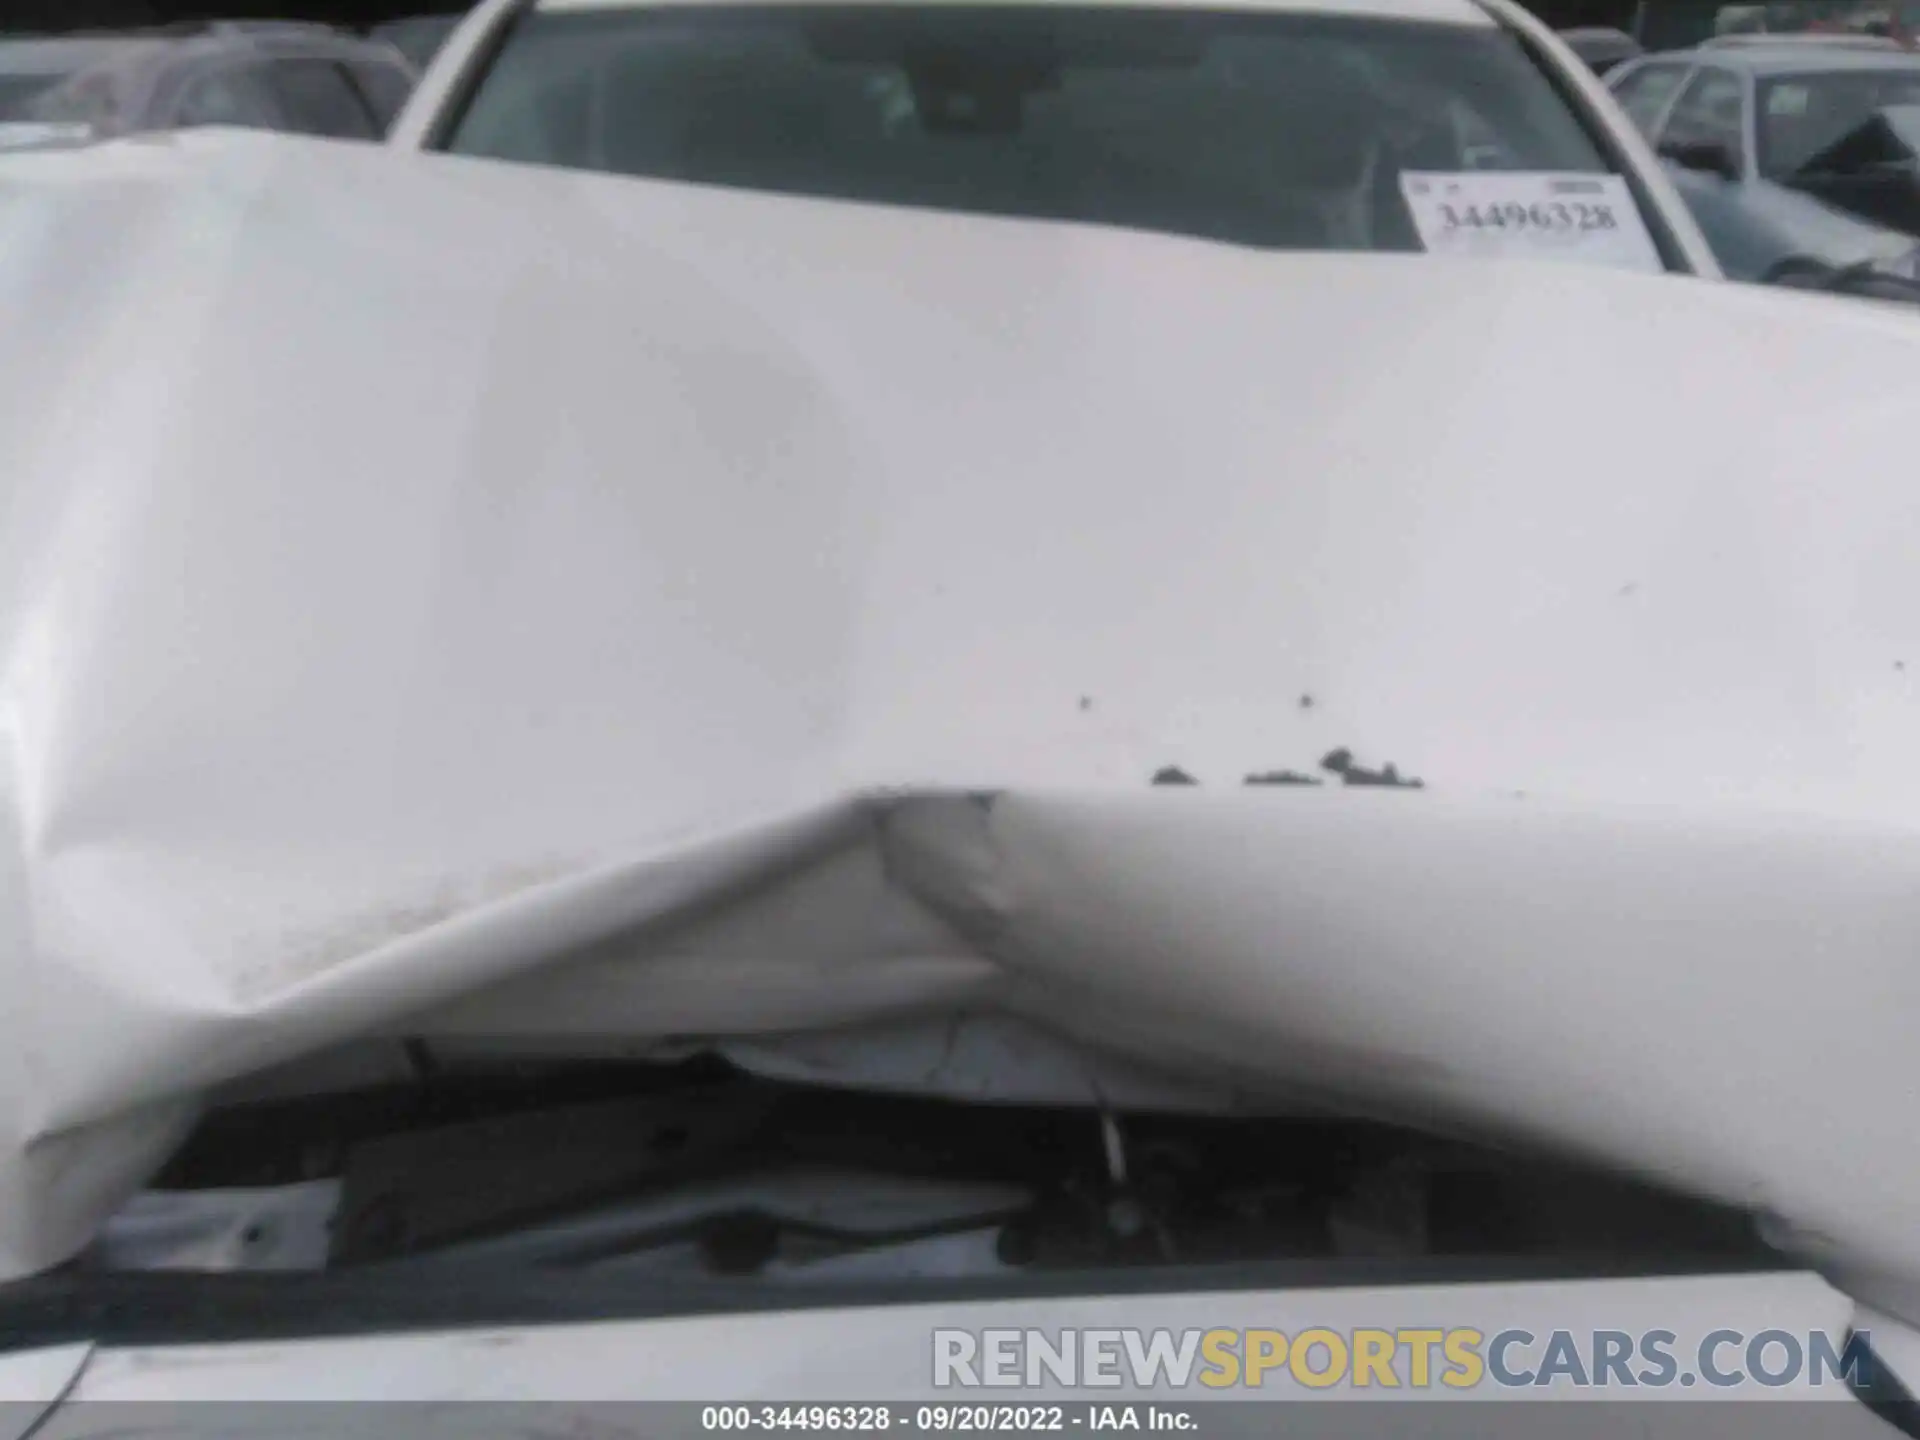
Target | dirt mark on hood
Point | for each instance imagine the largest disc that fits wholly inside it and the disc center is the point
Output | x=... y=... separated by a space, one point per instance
x=1338 y=762
x=1341 y=762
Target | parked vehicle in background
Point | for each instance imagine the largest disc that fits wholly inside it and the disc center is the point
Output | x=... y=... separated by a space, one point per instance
x=418 y=37
x=1793 y=158
x=31 y=67
x=1802 y=17
x=1602 y=48
x=1801 y=40
x=306 y=79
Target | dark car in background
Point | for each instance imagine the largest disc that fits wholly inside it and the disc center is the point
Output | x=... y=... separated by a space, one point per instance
x=1601 y=48
x=418 y=37
x=306 y=79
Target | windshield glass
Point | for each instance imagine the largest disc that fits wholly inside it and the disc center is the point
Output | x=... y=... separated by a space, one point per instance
x=1802 y=115
x=1286 y=131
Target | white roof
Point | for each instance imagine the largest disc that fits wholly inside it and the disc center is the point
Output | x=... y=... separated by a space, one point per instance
x=1449 y=12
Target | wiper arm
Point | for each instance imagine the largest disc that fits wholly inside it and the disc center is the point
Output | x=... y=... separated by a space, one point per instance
x=742 y=1224
x=427 y=1189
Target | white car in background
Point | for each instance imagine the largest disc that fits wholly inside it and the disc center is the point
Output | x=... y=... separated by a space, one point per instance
x=596 y=703
x=1750 y=131
x=302 y=79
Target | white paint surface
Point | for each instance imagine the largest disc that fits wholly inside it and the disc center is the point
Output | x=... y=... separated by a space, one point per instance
x=887 y=1352
x=414 y=571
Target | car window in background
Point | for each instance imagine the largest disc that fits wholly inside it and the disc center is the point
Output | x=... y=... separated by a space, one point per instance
x=230 y=95
x=1709 y=112
x=384 y=88
x=319 y=99
x=1802 y=115
x=1644 y=93
x=1280 y=130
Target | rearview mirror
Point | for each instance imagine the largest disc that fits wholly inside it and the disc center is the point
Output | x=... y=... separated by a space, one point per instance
x=1709 y=156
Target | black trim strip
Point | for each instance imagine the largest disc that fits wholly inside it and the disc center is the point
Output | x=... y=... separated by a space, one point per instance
x=174 y=1308
x=1884 y=1393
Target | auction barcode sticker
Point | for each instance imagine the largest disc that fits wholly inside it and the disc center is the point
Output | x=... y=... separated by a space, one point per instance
x=1531 y=215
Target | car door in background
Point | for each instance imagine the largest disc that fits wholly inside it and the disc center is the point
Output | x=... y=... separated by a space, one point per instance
x=1852 y=140
x=1646 y=91
x=1703 y=138
x=1706 y=130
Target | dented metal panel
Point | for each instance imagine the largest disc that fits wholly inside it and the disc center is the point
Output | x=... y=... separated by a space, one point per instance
x=441 y=598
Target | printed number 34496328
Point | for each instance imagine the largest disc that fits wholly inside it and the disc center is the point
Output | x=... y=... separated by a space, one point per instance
x=1558 y=215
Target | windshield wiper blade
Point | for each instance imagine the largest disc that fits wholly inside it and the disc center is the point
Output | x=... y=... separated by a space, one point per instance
x=425 y=1189
x=740 y=1223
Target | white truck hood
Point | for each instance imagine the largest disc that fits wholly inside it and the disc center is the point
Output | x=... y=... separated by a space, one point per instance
x=442 y=598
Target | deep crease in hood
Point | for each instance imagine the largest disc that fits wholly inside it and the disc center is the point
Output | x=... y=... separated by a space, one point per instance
x=444 y=598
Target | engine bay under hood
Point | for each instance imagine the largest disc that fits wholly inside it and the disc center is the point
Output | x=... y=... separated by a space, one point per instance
x=447 y=602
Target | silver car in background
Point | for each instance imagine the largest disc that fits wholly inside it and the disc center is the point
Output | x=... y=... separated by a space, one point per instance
x=418 y=37
x=306 y=79
x=1795 y=158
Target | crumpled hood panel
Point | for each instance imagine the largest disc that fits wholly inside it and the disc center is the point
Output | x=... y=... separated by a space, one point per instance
x=415 y=573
